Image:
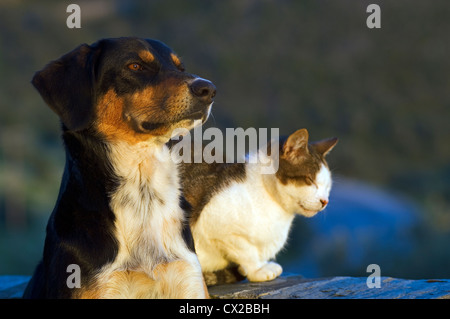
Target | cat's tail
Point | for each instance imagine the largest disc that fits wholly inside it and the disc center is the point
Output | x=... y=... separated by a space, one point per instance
x=223 y=276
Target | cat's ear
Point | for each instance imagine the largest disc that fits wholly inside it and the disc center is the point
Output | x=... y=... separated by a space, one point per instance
x=296 y=145
x=325 y=146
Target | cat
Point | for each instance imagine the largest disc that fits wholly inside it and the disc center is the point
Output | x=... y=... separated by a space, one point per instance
x=240 y=218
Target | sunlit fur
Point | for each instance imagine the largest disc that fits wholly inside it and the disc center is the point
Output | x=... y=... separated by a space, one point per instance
x=305 y=199
x=153 y=260
x=120 y=214
x=247 y=222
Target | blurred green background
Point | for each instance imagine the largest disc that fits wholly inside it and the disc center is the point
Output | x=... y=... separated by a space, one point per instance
x=287 y=64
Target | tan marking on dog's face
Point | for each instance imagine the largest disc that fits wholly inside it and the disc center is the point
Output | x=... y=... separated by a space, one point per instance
x=176 y=60
x=146 y=56
x=172 y=93
x=164 y=105
x=111 y=123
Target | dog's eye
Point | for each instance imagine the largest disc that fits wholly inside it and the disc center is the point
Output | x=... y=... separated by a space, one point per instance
x=135 y=67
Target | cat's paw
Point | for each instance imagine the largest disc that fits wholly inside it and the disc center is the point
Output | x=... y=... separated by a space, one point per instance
x=269 y=271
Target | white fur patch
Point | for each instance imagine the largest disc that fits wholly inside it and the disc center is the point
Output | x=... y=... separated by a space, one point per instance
x=248 y=222
x=242 y=224
x=306 y=199
x=146 y=205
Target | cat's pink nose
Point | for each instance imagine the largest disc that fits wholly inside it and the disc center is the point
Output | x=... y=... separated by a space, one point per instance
x=324 y=202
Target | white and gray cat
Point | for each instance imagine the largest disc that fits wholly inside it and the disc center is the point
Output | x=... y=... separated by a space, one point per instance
x=241 y=218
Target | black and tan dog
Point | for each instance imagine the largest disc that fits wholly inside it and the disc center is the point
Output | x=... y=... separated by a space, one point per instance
x=119 y=215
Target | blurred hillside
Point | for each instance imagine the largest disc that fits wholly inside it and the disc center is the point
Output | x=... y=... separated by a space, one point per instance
x=287 y=64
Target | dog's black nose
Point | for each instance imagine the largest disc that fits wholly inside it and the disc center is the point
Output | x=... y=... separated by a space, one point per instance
x=203 y=89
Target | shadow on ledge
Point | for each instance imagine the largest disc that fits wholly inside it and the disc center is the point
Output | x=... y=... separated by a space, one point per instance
x=298 y=287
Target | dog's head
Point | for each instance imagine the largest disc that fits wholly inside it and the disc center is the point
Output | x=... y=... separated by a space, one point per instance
x=128 y=89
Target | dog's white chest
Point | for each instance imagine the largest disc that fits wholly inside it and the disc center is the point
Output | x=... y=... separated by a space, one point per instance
x=146 y=206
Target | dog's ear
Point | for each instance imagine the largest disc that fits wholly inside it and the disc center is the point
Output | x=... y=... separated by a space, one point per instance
x=67 y=86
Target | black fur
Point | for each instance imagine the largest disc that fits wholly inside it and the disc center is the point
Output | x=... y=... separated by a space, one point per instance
x=81 y=228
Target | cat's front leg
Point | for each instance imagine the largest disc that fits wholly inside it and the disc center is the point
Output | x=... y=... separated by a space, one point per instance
x=268 y=271
x=247 y=254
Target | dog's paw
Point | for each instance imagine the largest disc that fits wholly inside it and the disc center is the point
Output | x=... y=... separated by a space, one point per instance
x=269 y=271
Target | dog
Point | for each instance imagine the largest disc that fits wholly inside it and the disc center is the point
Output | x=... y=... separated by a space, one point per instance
x=120 y=215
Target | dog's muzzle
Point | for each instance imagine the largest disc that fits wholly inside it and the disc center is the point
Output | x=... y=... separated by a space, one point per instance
x=203 y=90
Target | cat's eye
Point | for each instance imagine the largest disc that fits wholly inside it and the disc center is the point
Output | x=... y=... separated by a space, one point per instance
x=135 y=67
x=310 y=181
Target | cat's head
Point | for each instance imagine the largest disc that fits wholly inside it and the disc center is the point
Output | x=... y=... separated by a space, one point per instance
x=304 y=177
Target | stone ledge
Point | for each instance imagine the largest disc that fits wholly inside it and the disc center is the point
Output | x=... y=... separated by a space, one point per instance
x=297 y=287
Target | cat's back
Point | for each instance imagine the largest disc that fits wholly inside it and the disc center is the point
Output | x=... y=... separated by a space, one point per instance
x=202 y=181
